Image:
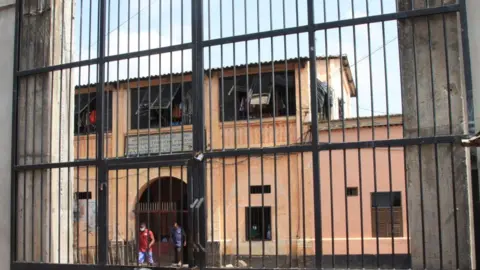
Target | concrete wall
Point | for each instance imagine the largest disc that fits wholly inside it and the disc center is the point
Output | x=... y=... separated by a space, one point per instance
x=7 y=22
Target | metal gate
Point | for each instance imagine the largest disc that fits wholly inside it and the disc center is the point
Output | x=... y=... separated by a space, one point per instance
x=242 y=134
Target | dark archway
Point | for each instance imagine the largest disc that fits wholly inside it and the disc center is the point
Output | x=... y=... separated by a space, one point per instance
x=161 y=204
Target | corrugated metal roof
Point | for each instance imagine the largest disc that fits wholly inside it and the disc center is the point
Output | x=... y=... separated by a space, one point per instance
x=153 y=77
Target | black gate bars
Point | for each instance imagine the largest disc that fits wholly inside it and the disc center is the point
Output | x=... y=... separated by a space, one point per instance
x=274 y=134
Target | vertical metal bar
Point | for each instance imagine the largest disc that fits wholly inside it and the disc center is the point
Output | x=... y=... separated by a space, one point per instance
x=390 y=181
x=329 y=104
x=78 y=96
x=212 y=215
x=450 y=121
x=210 y=94
x=33 y=157
x=182 y=93
x=344 y=154
x=249 y=173
x=289 y=183
x=301 y=123
x=237 y=235
x=359 y=152
x=24 y=205
x=224 y=194
x=70 y=173
x=160 y=82
x=315 y=154
x=191 y=259
x=87 y=130
x=420 y=165
x=13 y=153
x=148 y=210
x=261 y=95
x=372 y=106
x=107 y=104
x=171 y=75
x=137 y=215
x=118 y=91
x=127 y=211
x=467 y=65
x=182 y=210
x=262 y=179
x=212 y=212
x=247 y=83
x=160 y=208
x=274 y=97
x=102 y=173
x=60 y=134
x=25 y=161
x=116 y=217
x=434 y=112
x=149 y=75
x=198 y=119
x=50 y=219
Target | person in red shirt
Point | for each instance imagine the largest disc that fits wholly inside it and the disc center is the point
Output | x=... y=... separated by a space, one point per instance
x=145 y=243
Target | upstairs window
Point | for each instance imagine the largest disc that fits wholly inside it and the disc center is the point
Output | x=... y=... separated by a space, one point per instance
x=340 y=108
x=85 y=118
x=161 y=106
x=324 y=100
x=257 y=96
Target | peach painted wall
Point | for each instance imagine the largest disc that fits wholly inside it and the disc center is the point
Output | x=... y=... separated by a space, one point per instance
x=290 y=175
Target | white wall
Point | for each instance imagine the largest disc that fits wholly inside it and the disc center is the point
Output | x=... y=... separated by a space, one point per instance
x=7 y=28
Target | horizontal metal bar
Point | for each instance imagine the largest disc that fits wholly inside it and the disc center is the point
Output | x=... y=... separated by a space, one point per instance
x=182 y=158
x=96 y=61
x=336 y=146
x=389 y=17
x=134 y=164
x=259 y=151
x=168 y=49
x=28 y=72
x=47 y=266
x=176 y=159
x=264 y=268
x=254 y=36
x=44 y=166
x=391 y=143
x=334 y=24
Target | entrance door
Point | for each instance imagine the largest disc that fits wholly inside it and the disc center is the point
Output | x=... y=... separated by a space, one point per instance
x=157 y=198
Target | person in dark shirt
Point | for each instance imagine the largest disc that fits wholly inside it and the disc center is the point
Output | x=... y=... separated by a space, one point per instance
x=179 y=240
x=145 y=243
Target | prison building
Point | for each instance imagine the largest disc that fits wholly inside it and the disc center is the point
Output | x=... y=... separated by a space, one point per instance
x=260 y=209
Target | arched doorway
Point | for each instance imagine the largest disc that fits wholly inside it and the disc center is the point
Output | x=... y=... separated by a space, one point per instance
x=161 y=204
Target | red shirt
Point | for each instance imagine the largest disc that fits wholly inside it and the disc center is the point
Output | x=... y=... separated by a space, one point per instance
x=93 y=117
x=144 y=239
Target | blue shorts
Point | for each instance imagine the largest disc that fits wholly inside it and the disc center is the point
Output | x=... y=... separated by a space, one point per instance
x=142 y=255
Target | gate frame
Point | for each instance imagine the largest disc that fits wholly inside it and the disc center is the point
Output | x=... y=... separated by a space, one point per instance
x=196 y=165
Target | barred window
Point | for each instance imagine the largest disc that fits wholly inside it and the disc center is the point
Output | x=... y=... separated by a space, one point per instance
x=258 y=223
x=383 y=204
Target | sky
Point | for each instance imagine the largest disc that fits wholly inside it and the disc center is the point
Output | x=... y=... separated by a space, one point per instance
x=134 y=25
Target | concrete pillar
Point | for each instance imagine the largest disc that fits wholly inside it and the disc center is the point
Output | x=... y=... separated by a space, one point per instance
x=434 y=176
x=7 y=20
x=45 y=134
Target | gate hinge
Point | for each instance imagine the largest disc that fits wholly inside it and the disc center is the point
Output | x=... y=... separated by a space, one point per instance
x=472 y=141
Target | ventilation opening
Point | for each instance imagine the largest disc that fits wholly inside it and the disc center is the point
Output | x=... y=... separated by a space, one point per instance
x=83 y=195
x=352 y=191
x=258 y=189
